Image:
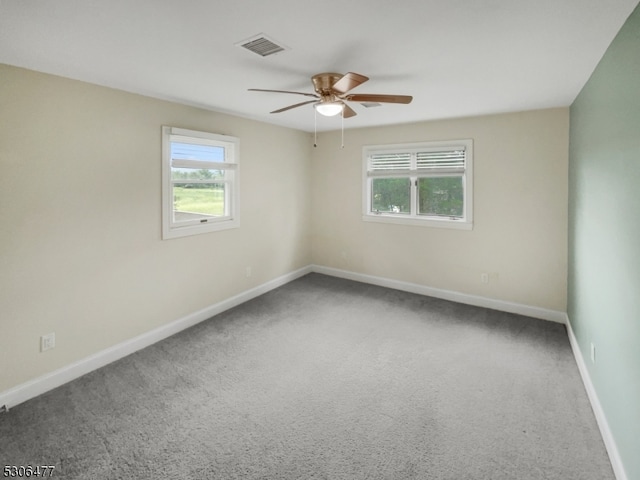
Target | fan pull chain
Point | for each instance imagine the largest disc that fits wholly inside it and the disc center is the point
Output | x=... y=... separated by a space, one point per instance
x=315 y=128
x=342 y=146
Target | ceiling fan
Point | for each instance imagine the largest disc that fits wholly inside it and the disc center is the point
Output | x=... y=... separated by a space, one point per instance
x=332 y=93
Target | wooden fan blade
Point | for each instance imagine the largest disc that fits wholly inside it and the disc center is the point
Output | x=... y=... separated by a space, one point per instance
x=371 y=97
x=284 y=91
x=293 y=106
x=348 y=81
x=347 y=111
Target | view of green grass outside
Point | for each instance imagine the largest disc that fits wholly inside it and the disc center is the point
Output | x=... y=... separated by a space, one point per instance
x=207 y=199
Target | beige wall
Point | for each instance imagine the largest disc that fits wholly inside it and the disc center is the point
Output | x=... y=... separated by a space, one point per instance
x=80 y=193
x=520 y=211
x=80 y=219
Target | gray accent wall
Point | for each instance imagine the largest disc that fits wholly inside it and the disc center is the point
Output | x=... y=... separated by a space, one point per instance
x=604 y=235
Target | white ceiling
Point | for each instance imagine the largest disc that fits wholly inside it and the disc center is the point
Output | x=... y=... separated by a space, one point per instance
x=456 y=57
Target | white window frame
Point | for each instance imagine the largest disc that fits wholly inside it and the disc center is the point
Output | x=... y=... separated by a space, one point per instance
x=231 y=145
x=412 y=173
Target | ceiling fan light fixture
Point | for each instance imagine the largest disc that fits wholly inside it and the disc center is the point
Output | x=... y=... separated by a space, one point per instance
x=329 y=109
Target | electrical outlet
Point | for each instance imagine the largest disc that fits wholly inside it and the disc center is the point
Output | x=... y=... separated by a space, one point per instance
x=47 y=342
x=593 y=353
x=484 y=277
x=247 y=272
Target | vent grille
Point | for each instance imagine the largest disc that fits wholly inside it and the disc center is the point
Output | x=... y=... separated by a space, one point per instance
x=262 y=45
x=370 y=104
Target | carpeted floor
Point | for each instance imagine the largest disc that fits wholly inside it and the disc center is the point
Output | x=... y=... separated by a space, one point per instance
x=326 y=379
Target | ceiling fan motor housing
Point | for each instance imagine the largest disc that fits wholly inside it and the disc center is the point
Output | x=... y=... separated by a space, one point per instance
x=323 y=82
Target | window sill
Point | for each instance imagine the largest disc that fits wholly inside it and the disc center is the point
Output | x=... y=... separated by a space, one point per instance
x=187 y=230
x=419 y=222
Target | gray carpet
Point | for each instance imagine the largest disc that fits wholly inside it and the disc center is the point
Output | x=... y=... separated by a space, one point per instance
x=326 y=379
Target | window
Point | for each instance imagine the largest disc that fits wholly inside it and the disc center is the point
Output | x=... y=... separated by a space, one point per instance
x=427 y=184
x=199 y=182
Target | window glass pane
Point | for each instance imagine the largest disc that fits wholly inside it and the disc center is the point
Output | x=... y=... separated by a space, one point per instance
x=391 y=195
x=193 y=201
x=196 y=174
x=441 y=196
x=190 y=151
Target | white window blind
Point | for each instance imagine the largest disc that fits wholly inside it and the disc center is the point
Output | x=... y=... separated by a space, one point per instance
x=451 y=159
x=386 y=162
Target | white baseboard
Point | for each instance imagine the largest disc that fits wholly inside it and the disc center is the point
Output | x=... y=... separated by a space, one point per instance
x=603 y=424
x=21 y=393
x=527 y=310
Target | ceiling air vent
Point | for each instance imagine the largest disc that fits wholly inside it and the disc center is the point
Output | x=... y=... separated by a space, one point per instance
x=370 y=104
x=262 y=45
